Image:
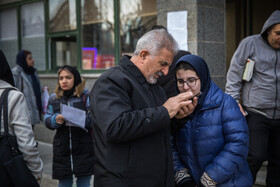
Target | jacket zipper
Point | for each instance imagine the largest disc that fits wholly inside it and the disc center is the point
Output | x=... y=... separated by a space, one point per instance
x=70 y=145
x=275 y=70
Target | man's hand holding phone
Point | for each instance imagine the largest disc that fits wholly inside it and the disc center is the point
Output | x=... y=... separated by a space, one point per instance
x=187 y=109
x=180 y=105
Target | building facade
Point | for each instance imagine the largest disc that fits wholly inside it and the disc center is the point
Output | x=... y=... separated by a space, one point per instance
x=93 y=34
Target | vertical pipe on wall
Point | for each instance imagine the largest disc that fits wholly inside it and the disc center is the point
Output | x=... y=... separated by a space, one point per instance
x=117 y=30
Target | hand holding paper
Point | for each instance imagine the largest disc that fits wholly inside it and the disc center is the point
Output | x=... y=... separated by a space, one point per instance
x=73 y=116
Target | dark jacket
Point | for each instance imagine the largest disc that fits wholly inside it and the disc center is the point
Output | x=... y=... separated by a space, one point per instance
x=70 y=141
x=131 y=130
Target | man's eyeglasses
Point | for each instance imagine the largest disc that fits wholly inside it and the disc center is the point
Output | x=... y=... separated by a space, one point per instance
x=190 y=82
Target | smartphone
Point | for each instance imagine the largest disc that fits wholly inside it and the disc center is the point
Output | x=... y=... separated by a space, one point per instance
x=198 y=94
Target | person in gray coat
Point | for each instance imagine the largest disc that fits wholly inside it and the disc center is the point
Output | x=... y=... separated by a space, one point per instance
x=259 y=97
x=27 y=81
x=19 y=121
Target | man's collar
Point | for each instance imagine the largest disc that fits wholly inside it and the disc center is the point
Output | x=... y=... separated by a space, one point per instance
x=132 y=69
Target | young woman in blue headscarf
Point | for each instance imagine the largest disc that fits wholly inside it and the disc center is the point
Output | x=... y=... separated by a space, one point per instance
x=211 y=148
x=27 y=81
x=19 y=124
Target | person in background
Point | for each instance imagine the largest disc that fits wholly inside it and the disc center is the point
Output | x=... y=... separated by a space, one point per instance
x=168 y=82
x=72 y=146
x=131 y=116
x=27 y=81
x=19 y=121
x=211 y=148
x=259 y=97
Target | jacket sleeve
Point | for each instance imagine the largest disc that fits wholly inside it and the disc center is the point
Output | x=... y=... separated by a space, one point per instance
x=234 y=153
x=88 y=114
x=21 y=126
x=116 y=118
x=237 y=66
x=50 y=116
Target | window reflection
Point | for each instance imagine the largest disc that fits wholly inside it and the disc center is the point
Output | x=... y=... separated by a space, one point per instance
x=136 y=19
x=33 y=32
x=66 y=53
x=8 y=34
x=97 y=34
x=62 y=15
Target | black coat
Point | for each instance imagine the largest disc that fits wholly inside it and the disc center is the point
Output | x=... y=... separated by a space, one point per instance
x=81 y=146
x=131 y=130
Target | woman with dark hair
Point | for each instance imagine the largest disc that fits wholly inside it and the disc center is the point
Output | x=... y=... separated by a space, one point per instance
x=72 y=146
x=27 y=81
x=19 y=121
x=211 y=148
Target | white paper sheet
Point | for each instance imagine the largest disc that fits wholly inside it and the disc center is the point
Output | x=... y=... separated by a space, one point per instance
x=177 y=27
x=73 y=116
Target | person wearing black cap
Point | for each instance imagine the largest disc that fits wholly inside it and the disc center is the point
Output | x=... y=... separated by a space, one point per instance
x=211 y=148
x=72 y=145
x=19 y=121
x=28 y=82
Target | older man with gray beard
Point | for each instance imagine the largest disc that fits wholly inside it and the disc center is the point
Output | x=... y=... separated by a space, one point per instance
x=132 y=117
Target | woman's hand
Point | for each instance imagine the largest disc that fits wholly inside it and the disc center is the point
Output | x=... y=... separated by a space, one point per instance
x=59 y=119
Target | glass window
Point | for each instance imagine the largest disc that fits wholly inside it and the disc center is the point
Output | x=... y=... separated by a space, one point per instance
x=8 y=34
x=136 y=18
x=65 y=52
x=62 y=15
x=33 y=31
x=97 y=34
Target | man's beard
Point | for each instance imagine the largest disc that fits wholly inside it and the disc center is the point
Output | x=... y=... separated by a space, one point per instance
x=152 y=79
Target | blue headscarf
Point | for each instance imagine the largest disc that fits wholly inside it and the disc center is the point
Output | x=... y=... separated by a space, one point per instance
x=203 y=73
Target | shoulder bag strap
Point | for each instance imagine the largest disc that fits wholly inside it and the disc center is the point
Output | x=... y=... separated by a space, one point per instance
x=4 y=106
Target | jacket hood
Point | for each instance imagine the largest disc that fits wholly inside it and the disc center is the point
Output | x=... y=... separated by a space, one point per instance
x=272 y=20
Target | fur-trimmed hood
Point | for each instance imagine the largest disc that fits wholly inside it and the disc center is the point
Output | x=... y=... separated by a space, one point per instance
x=78 y=90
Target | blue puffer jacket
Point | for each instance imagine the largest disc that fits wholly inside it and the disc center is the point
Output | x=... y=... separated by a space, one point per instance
x=215 y=141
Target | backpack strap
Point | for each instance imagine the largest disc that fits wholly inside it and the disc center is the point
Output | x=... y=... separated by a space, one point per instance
x=4 y=107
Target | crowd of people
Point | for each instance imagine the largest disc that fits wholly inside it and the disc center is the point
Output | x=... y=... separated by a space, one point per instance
x=156 y=118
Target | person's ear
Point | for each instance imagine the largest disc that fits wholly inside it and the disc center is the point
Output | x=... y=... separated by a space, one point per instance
x=143 y=54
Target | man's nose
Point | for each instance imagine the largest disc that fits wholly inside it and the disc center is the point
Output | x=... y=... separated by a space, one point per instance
x=165 y=71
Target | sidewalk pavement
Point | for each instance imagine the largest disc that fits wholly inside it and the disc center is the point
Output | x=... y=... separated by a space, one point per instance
x=45 y=151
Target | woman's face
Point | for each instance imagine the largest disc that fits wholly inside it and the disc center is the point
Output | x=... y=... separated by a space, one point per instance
x=66 y=80
x=29 y=60
x=187 y=80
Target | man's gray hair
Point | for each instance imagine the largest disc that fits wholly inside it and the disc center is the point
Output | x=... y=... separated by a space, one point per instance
x=155 y=40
